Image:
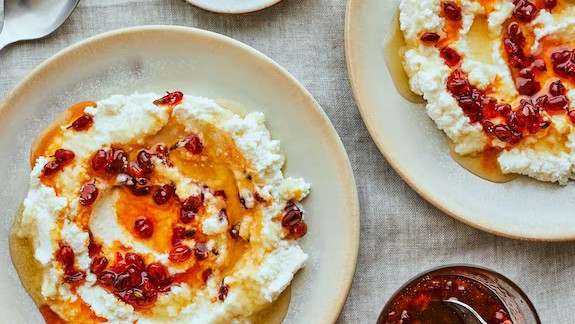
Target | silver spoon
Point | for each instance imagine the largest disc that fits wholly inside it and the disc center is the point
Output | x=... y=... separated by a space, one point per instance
x=32 y=19
x=465 y=312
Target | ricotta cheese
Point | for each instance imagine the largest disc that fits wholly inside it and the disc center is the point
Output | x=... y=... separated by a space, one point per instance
x=545 y=154
x=226 y=210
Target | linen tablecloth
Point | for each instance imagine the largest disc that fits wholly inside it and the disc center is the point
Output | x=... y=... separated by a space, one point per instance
x=401 y=234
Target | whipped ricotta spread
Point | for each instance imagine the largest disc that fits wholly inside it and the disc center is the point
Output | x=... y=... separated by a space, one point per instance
x=150 y=209
x=498 y=75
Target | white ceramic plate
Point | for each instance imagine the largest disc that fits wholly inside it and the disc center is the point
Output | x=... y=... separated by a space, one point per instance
x=160 y=58
x=233 y=7
x=523 y=208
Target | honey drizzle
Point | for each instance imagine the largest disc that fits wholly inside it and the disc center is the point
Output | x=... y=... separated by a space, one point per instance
x=483 y=165
x=393 y=50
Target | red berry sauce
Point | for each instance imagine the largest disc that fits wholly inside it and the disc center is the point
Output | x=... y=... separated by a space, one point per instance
x=420 y=302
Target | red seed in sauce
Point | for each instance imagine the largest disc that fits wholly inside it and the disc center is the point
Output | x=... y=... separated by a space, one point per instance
x=51 y=168
x=99 y=160
x=99 y=264
x=74 y=276
x=158 y=274
x=450 y=56
x=171 y=99
x=66 y=255
x=106 y=277
x=194 y=144
x=180 y=253
x=163 y=194
x=429 y=38
x=145 y=161
x=136 y=260
x=88 y=194
x=144 y=227
x=63 y=155
x=82 y=123
x=525 y=10
x=201 y=251
x=452 y=11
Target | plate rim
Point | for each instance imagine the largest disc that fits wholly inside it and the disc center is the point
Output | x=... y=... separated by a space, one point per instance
x=368 y=116
x=248 y=10
x=348 y=179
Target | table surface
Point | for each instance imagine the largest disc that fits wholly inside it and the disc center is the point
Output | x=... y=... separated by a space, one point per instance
x=401 y=234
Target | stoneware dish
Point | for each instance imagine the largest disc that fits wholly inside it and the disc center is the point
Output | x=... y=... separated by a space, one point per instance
x=233 y=7
x=523 y=208
x=207 y=64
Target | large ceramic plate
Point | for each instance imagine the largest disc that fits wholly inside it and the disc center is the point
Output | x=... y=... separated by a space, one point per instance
x=523 y=208
x=159 y=58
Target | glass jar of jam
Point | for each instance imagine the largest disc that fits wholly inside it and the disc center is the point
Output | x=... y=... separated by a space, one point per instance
x=491 y=295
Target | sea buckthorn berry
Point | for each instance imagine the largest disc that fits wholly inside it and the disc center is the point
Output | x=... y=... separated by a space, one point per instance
x=135 y=275
x=299 y=230
x=161 y=151
x=145 y=161
x=140 y=190
x=457 y=83
x=539 y=65
x=186 y=216
x=194 y=144
x=452 y=11
x=171 y=99
x=180 y=253
x=515 y=34
x=201 y=251
x=144 y=227
x=504 y=110
x=99 y=160
x=158 y=274
x=136 y=260
x=505 y=134
x=117 y=161
x=557 y=103
x=557 y=88
x=74 y=276
x=450 y=56
x=527 y=85
x=106 y=277
x=66 y=255
x=51 y=168
x=178 y=234
x=525 y=10
x=192 y=203
x=429 y=37
x=293 y=215
x=63 y=156
x=82 y=123
x=123 y=281
x=88 y=194
x=163 y=194
x=99 y=264
x=135 y=170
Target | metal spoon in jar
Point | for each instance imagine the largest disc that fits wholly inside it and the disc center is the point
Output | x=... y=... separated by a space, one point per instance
x=32 y=19
x=465 y=312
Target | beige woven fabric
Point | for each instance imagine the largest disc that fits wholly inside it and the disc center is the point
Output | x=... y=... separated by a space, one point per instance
x=401 y=234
